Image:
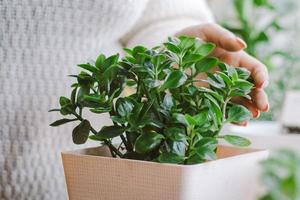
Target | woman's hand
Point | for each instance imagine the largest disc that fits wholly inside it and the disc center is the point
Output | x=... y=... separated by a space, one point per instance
x=230 y=50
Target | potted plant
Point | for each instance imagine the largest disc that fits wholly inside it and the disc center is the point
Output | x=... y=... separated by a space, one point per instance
x=169 y=116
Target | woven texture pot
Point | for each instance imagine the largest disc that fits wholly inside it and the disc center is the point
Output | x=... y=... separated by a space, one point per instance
x=92 y=174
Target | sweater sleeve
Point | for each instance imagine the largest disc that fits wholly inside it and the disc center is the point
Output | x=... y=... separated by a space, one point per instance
x=163 y=18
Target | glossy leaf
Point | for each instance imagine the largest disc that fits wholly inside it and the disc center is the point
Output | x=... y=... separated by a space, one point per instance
x=167 y=157
x=191 y=121
x=206 y=64
x=172 y=47
x=108 y=132
x=174 y=80
x=147 y=142
x=175 y=133
x=62 y=121
x=238 y=113
x=191 y=59
x=124 y=106
x=88 y=67
x=237 y=140
x=100 y=61
x=206 y=49
x=80 y=133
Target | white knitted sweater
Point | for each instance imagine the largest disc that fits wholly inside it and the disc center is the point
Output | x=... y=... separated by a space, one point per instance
x=40 y=43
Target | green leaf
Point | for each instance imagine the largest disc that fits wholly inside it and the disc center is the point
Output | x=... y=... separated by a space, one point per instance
x=191 y=59
x=64 y=101
x=208 y=143
x=206 y=49
x=243 y=84
x=80 y=133
x=212 y=93
x=167 y=157
x=152 y=83
x=174 y=80
x=128 y=51
x=83 y=91
x=237 y=140
x=108 y=132
x=85 y=79
x=110 y=73
x=147 y=142
x=100 y=110
x=100 y=61
x=175 y=133
x=178 y=117
x=73 y=96
x=232 y=73
x=66 y=106
x=94 y=137
x=110 y=61
x=206 y=64
x=54 y=110
x=202 y=118
x=238 y=113
x=118 y=119
x=155 y=123
x=262 y=37
x=243 y=73
x=206 y=153
x=216 y=81
x=186 y=42
x=226 y=79
x=88 y=67
x=195 y=159
x=215 y=112
x=145 y=109
x=191 y=121
x=62 y=121
x=172 y=47
x=168 y=102
x=124 y=106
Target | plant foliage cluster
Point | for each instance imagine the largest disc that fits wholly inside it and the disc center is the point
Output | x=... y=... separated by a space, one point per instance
x=281 y=176
x=168 y=117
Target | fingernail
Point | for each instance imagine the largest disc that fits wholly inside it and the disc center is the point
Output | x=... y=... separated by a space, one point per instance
x=241 y=43
x=267 y=107
x=256 y=114
x=244 y=123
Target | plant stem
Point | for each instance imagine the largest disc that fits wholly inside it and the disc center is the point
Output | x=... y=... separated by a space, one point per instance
x=111 y=113
x=108 y=143
x=125 y=143
x=149 y=98
x=187 y=152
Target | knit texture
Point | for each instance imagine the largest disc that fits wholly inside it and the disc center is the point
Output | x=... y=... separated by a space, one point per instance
x=41 y=41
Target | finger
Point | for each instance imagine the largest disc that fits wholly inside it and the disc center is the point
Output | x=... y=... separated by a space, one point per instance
x=260 y=99
x=248 y=104
x=222 y=37
x=258 y=70
x=216 y=34
x=244 y=123
x=231 y=58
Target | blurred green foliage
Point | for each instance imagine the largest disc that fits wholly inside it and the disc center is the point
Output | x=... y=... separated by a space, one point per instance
x=281 y=176
x=259 y=22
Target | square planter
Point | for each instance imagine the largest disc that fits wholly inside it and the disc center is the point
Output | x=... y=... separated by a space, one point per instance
x=92 y=174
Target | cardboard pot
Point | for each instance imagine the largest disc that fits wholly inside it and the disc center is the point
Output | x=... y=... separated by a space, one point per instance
x=92 y=174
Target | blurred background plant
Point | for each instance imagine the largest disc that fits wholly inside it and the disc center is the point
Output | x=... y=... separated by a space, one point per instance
x=281 y=176
x=270 y=29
